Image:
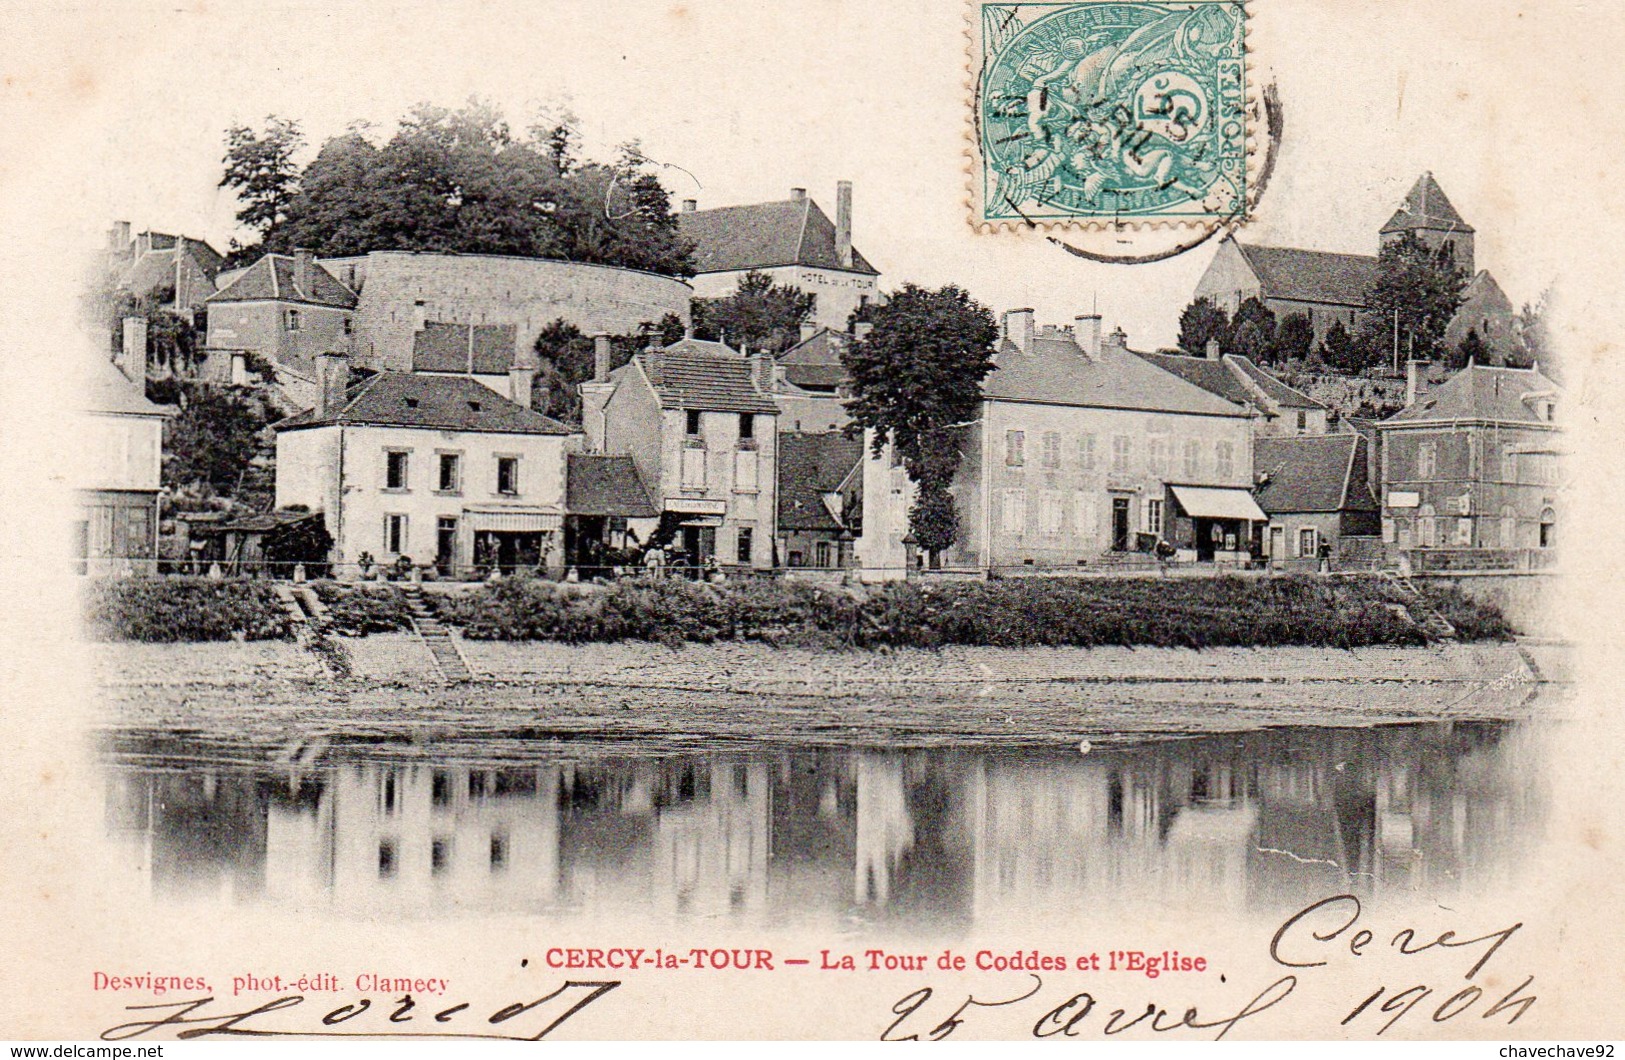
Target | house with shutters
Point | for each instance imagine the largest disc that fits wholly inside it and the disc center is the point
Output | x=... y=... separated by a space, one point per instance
x=286 y=310
x=1320 y=498
x=1473 y=462
x=700 y=425
x=436 y=469
x=1082 y=454
x=793 y=241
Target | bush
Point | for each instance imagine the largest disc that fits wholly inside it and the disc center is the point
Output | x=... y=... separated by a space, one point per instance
x=356 y=610
x=184 y=609
x=1473 y=619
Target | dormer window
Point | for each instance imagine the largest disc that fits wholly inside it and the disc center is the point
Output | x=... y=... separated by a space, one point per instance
x=474 y=406
x=292 y=320
x=411 y=403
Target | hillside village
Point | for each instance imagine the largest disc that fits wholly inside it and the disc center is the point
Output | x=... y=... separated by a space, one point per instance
x=410 y=433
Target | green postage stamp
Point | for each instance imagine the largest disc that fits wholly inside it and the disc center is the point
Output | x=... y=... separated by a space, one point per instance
x=1110 y=113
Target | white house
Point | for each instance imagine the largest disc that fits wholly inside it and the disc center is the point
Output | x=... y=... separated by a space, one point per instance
x=437 y=468
x=116 y=529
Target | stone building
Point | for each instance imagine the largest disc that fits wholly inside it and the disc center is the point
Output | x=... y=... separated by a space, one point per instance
x=1281 y=410
x=793 y=241
x=1317 y=491
x=116 y=527
x=820 y=498
x=157 y=262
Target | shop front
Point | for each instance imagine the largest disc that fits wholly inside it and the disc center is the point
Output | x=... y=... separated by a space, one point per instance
x=688 y=529
x=514 y=538
x=1214 y=524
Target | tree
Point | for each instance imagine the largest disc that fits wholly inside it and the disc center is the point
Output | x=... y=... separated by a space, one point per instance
x=1534 y=342
x=214 y=442
x=260 y=168
x=1202 y=322
x=569 y=357
x=1420 y=288
x=1471 y=350
x=761 y=314
x=1294 y=339
x=915 y=378
x=1252 y=330
x=1339 y=351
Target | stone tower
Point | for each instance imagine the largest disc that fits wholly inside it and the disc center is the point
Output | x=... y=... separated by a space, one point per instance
x=1427 y=212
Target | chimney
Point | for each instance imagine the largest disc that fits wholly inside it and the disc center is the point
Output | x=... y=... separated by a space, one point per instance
x=1018 y=328
x=798 y=194
x=1116 y=342
x=843 y=223
x=809 y=328
x=332 y=379
x=861 y=330
x=600 y=357
x=761 y=370
x=118 y=237
x=690 y=205
x=1086 y=333
x=1416 y=381
x=239 y=368
x=143 y=243
x=520 y=379
x=304 y=262
x=1212 y=349
x=132 y=358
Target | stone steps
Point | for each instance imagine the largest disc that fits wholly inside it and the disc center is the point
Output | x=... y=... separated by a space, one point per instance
x=437 y=638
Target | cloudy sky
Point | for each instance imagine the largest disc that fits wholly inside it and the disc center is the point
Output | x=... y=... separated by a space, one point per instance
x=124 y=111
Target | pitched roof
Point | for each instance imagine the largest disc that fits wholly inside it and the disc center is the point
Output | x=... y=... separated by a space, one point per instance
x=598 y=484
x=764 y=235
x=111 y=391
x=1058 y=372
x=272 y=279
x=1312 y=275
x=815 y=362
x=1273 y=388
x=1480 y=392
x=811 y=465
x=483 y=349
x=439 y=402
x=1313 y=473
x=1426 y=207
x=695 y=374
x=1213 y=375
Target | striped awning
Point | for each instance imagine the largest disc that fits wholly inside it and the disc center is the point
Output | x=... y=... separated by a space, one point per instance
x=513 y=517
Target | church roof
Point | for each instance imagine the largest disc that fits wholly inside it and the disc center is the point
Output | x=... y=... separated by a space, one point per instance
x=1481 y=392
x=765 y=235
x=1312 y=275
x=271 y=279
x=1426 y=207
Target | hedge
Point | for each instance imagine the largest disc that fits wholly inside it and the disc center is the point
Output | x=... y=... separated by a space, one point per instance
x=184 y=609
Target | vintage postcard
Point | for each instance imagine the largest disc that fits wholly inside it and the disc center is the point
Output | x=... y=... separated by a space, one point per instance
x=908 y=521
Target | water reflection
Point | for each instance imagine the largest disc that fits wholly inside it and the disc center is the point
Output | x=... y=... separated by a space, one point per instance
x=912 y=838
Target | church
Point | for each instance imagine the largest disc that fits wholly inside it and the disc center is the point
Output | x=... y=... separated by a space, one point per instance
x=1329 y=287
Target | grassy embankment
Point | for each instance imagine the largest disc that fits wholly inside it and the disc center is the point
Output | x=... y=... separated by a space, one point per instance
x=1194 y=613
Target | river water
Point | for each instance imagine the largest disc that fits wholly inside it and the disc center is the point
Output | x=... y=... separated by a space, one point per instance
x=939 y=840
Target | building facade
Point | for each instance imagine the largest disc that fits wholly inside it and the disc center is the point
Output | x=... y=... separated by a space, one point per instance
x=116 y=528
x=436 y=469
x=699 y=422
x=793 y=241
x=1317 y=491
x=820 y=498
x=1281 y=410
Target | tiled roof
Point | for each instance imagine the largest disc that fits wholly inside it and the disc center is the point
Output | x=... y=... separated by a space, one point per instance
x=1214 y=375
x=597 y=484
x=764 y=235
x=815 y=362
x=272 y=279
x=483 y=349
x=439 y=402
x=1480 y=392
x=811 y=465
x=1312 y=275
x=1426 y=207
x=1273 y=388
x=695 y=374
x=110 y=390
x=1058 y=372
x=1313 y=473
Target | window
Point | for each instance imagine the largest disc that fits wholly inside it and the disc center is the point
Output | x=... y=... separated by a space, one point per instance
x=1052 y=449
x=1087 y=524
x=1427 y=459
x=395 y=534
x=508 y=475
x=450 y=479
x=1086 y=452
x=1014 y=512
x=1050 y=512
x=821 y=554
x=386 y=858
x=746 y=536
x=692 y=422
x=1464 y=533
x=499 y=851
x=693 y=469
x=1224 y=458
x=349 y=326
x=1193 y=460
x=1548 y=528
x=744 y=470
x=747 y=426
x=1303 y=421
x=1158 y=449
x=1509 y=527
x=1153 y=516
x=293 y=320
x=1015 y=445
x=1306 y=541
x=1425 y=526
x=396 y=467
x=1122 y=446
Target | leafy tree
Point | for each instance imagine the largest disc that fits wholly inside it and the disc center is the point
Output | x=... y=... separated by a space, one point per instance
x=761 y=314
x=1339 y=351
x=260 y=168
x=1200 y=323
x=1252 y=330
x=1294 y=339
x=1419 y=286
x=173 y=340
x=915 y=378
x=1534 y=338
x=1471 y=350
x=216 y=440
x=569 y=357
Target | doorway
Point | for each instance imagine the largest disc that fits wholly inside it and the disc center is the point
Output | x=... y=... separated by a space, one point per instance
x=445 y=545
x=1120 y=527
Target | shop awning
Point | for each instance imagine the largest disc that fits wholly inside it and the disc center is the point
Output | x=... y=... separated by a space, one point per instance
x=514 y=518
x=1218 y=502
x=702 y=520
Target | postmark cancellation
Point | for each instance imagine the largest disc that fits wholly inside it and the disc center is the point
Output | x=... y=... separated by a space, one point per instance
x=1110 y=114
